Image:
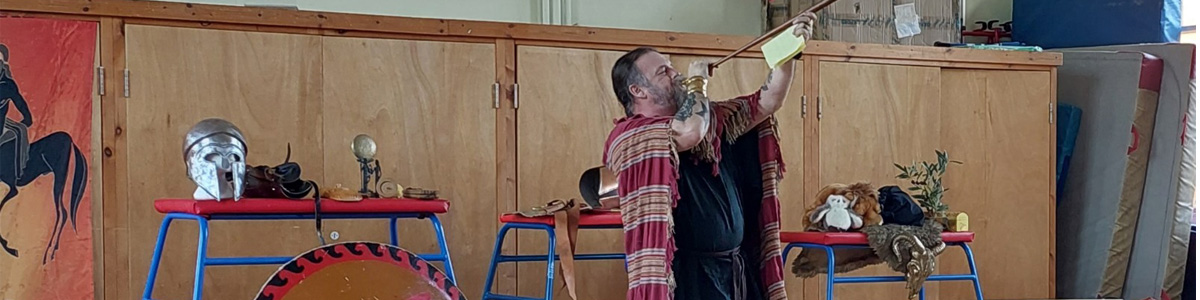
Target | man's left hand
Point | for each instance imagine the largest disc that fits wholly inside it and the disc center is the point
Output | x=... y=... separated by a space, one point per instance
x=700 y=67
x=804 y=25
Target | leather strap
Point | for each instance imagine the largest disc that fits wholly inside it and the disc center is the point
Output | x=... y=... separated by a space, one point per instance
x=566 y=226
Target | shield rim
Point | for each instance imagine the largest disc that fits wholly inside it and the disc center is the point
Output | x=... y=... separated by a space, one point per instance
x=423 y=268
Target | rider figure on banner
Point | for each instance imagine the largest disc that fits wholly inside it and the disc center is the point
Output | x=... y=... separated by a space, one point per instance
x=14 y=134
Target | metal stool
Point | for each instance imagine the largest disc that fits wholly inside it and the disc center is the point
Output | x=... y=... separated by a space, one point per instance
x=828 y=241
x=202 y=211
x=587 y=220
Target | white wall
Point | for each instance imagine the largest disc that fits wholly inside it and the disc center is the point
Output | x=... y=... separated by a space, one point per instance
x=737 y=17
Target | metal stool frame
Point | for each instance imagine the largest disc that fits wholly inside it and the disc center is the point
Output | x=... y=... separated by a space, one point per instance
x=202 y=259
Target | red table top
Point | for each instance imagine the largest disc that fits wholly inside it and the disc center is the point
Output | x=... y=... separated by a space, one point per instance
x=605 y=218
x=299 y=206
x=856 y=238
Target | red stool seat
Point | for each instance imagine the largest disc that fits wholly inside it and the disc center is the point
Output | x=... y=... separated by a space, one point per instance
x=856 y=238
x=299 y=206
x=596 y=218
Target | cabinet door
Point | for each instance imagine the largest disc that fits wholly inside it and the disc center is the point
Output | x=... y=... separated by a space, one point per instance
x=743 y=76
x=997 y=123
x=566 y=110
x=428 y=106
x=269 y=85
x=873 y=116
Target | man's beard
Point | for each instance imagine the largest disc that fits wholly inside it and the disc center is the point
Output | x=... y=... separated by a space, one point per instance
x=669 y=97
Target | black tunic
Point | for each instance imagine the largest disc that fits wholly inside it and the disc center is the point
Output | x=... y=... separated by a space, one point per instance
x=714 y=214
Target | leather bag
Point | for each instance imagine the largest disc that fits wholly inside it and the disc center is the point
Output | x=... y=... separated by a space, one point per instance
x=566 y=224
x=283 y=182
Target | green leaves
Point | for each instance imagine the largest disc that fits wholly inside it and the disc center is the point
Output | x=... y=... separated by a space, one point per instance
x=926 y=180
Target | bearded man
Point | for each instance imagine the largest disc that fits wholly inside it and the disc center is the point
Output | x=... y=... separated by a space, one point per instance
x=697 y=180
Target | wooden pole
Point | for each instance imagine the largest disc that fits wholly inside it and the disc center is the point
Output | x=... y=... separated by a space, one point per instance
x=772 y=33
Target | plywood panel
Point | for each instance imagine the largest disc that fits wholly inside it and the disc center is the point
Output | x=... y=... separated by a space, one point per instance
x=267 y=84
x=741 y=76
x=566 y=111
x=874 y=116
x=428 y=106
x=997 y=124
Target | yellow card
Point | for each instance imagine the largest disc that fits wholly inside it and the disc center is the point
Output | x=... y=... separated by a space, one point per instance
x=782 y=47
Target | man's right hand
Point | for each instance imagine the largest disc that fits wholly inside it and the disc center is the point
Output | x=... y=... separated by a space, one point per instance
x=700 y=67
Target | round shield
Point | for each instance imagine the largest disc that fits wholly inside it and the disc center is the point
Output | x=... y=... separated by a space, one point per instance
x=359 y=270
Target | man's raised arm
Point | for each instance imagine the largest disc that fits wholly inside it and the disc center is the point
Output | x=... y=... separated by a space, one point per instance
x=779 y=81
x=691 y=121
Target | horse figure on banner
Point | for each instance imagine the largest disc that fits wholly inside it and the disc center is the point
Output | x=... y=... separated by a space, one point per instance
x=22 y=162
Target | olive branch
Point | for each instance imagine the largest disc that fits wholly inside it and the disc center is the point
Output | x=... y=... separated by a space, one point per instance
x=926 y=180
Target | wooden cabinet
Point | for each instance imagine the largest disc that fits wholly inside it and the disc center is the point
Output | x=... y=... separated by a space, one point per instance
x=998 y=125
x=433 y=122
x=500 y=117
x=429 y=107
x=872 y=116
x=566 y=109
x=267 y=84
x=997 y=122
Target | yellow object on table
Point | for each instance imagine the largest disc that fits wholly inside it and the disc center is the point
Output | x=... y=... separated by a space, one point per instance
x=956 y=222
x=782 y=47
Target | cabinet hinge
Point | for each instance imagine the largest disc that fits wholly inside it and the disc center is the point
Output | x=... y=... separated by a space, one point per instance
x=803 y=106
x=126 y=85
x=100 y=80
x=820 y=107
x=496 y=95
x=516 y=96
x=1051 y=112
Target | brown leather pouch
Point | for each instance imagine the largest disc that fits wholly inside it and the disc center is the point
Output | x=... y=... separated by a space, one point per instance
x=566 y=227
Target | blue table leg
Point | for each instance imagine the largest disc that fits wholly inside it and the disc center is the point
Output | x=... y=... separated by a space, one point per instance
x=201 y=253
x=201 y=257
x=442 y=244
x=491 y=275
x=786 y=249
x=156 y=257
x=395 y=235
x=974 y=273
x=830 y=271
x=549 y=263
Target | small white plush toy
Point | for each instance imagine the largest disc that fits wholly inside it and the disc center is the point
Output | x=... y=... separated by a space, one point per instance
x=836 y=214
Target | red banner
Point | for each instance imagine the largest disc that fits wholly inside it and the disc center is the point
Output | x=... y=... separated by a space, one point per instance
x=47 y=72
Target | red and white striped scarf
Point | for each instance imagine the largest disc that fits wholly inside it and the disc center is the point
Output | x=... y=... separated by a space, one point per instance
x=641 y=152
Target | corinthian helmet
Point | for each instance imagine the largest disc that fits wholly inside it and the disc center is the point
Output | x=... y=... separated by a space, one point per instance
x=215 y=154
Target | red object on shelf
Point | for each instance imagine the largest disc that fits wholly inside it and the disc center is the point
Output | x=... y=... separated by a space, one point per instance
x=607 y=218
x=993 y=36
x=299 y=206
x=856 y=238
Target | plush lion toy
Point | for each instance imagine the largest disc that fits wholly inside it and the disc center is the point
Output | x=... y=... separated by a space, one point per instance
x=862 y=194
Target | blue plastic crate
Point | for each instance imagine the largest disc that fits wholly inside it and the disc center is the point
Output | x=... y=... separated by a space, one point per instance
x=1084 y=23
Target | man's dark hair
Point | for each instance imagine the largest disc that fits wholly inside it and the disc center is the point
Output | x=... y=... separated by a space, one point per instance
x=4 y=52
x=626 y=73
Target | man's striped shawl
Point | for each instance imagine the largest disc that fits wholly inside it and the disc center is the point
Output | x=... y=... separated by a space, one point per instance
x=640 y=150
